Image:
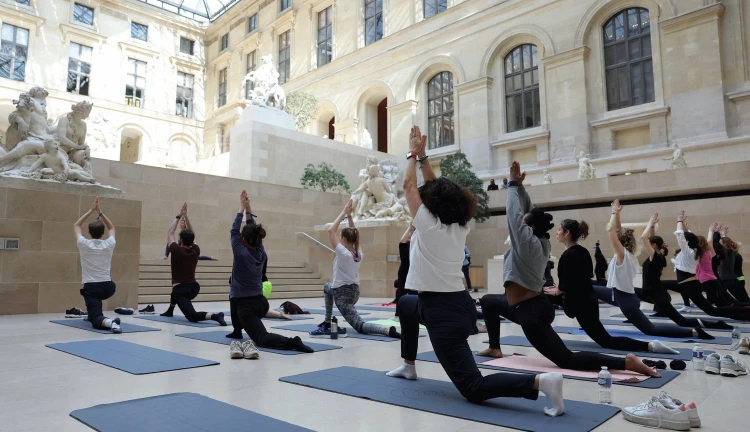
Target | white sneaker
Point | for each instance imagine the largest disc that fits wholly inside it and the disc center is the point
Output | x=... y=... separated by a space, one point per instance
x=713 y=364
x=659 y=414
x=744 y=346
x=249 y=350
x=235 y=350
x=732 y=367
x=692 y=409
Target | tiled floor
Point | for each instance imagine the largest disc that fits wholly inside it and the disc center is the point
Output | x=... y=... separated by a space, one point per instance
x=41 y=386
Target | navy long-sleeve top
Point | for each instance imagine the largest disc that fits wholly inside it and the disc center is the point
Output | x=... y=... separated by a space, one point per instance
x=248 y=265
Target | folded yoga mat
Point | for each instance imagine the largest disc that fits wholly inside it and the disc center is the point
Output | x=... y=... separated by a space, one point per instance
x=650 y=383
x=692 y=315
x=335 y=311
x=685 y=354
x=181 y=320
x=350 y=332
x=85 y=325
x=440 y=397
x=611 y=322
x=129 y=357
x=637 y=334
x=219 y=337
x=177 y=412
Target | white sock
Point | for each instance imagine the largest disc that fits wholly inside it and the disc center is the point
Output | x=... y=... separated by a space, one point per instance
x=107 y=323
x=404 y=371
x=659 y=347
x=208 y=315
x=701 y=323
x=551 y=384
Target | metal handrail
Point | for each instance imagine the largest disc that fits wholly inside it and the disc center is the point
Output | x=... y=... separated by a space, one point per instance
x=315 y=240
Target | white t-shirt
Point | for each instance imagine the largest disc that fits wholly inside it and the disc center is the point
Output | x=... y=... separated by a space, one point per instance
x=621 y=277
x=436 y=254
x=96 y=258
x=345 y=267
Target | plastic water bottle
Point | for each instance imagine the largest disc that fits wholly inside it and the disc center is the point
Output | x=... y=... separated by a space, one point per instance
x=334 y=328
x=698 y=360
x=736 y=337
x=605 y=386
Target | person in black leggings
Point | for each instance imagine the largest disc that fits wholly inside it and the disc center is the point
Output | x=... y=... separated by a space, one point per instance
x=523 y=304
x=727 y=267
x=574 y=274
x=403 y=268
x=600 y=269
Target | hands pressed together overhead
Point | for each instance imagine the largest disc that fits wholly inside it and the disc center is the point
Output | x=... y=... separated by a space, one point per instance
x=417 y=142
x=515 y=173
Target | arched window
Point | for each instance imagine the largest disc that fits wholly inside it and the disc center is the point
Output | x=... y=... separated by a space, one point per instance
x=440 y=115
x=627 y=59
x=522 y=88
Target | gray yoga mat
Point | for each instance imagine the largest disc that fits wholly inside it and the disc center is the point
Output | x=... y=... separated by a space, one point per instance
x=691 y=315
x=335 y=311
x=177 y=412
x=219 y=338
x=85 y=325
x=181 y=320
x=377 y=308
x=686 y=354
x=637 y=334
x=129 y=357
x=611 y=322
x=651 y=383
x=293 y=318
x=350 y=332
x=440 y=397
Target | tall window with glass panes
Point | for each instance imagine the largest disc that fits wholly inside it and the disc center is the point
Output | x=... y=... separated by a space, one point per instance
x=135 y=86
x=222 y=94
x=373 y=21
x=14 y=51
x=285 y=49
x=251 y=65
x=79 y=69
x=325 y=36
x=184 y=100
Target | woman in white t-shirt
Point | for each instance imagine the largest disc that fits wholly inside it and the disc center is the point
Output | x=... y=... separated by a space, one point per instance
x=620 y=290
x=441 y=210
x=344 y=289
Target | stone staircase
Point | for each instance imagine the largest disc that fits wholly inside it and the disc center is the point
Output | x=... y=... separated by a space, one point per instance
x=290 y=281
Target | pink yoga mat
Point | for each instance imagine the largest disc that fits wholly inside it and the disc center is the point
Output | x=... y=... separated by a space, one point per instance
x=540 y=364
x=393 y=305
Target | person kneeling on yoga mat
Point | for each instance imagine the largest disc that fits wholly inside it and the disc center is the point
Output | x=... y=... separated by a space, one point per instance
x=246 y=290
x=344 y=289
x=96 y=262
x=184 y=261
x=441 y=210
x=524 y=303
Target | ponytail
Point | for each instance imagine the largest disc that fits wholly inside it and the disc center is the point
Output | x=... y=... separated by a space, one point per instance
x=578 y=230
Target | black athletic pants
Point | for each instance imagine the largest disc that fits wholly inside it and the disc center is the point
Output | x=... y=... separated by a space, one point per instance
x=182 y=296
x=535 y=317
x=93 y=293
x=465 y=269
x=588 y=318
x=696 y=295
x=250 y=311
x=666 y=308
x=450 y=318
x=737 y=289
x=672 y=285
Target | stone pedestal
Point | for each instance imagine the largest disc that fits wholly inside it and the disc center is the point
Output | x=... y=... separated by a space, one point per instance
x=495 y=268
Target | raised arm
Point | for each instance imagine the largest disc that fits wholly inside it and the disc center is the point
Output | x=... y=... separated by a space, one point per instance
x=417 y=145
x=517 y=204
x=107 y=223
x=349 y=218
x=187 y=220
x=406 y=238
x=82 y=219
x=234 y=233
x=710 y=239
x=173 y=227
x=648 y=232
x=333 y=231
x=614 y=225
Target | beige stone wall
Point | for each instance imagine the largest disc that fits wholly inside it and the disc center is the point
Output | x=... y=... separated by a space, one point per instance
x=45 y=275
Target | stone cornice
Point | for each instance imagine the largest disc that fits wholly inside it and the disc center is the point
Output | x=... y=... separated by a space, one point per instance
x=91 y=37
x=410 y=105
x=738 y=95
x=139 y=49
x=251 y=41
x=477 y=84
x=22 y=13
x=692 y=19
x=169 y=19
x=224 y=57
x=566 y=57
x=630 y=116
x=520 y=139
x=186 y=63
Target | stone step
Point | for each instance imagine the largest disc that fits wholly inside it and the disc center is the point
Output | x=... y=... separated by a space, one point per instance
x=225 y=289
x=146 y=283
x=164 y=298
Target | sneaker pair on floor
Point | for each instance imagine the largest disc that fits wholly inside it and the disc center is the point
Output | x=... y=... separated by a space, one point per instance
x=744 y=346
x=664 y=411
x=75 y=313
x=324 y=331
x=725 y=366
x=149 y=309
x=247 y=349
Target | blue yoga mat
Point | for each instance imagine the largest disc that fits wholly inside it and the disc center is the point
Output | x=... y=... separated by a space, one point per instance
x=637 y=334
x=335 y=311
x=686 y=354
x=85 y=325
x=293 y=318
x=440 y=397
x=129 y=357
x=219 y=338
x=177 y=412
x=181 y=320
x=692 y=315
x=350 y=332
x=611 y=322
x=651 y=383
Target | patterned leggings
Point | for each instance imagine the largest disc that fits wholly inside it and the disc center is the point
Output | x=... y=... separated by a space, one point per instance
x=346 y=297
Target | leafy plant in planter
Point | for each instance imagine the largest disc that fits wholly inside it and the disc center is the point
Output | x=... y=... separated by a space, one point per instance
x=325 y=177
x=458 y=169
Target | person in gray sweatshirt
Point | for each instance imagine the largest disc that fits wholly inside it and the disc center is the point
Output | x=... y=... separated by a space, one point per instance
x=523 y=303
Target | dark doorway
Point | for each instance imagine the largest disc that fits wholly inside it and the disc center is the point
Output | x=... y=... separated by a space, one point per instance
x=331 y=129
x=383 y=126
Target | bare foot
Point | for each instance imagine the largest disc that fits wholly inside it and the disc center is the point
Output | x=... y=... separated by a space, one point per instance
x=633 y=363
x=491 y=352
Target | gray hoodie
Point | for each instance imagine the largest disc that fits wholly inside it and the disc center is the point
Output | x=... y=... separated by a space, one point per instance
x=527 y=257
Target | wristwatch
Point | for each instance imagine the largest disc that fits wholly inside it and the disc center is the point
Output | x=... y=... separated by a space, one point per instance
x=179 y=216
x=512 y=183
x=422 y=159
x=411 y=155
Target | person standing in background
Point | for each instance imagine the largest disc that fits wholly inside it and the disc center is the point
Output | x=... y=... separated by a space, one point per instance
x=465 y=268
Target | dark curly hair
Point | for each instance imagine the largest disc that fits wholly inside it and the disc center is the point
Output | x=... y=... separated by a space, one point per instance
x=627 y=239
x=448 y=201
x=187 y=237
x=253 y=235
x=541 y=221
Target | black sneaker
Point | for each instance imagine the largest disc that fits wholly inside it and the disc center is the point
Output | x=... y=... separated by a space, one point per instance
x=124 y=311
x=149 y=310
x=75 y=313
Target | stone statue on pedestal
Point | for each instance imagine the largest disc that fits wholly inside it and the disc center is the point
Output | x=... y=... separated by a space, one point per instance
x=586 y=170
x=547 y=178
x=40 y=151
x=375 y=199
x=266 y=89
x=677 y=160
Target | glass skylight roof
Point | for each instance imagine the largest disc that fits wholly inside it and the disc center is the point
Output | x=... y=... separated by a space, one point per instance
x=200 y=10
